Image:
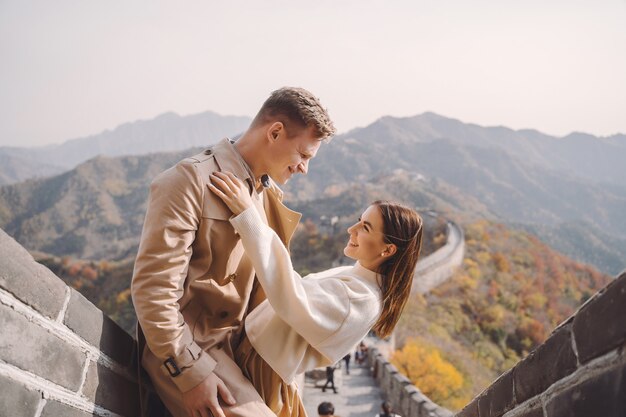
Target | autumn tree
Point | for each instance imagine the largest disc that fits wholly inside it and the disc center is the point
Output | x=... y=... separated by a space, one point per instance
x=437 y=378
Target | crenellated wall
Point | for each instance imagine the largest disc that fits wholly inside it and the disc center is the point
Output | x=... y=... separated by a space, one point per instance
x=439 y=266
x=59 y=354
x=407 y=400
x=580 y=371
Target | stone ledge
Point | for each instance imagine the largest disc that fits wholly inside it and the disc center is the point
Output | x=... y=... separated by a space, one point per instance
x=599 y=325
x=27 y=346
x=498 y=398
x=550 y=362
x=55 y=409
x=602 y=395
x=22 y=401
x=28 y=280
x=87 y=321
x=111 y=391
x=470 y=410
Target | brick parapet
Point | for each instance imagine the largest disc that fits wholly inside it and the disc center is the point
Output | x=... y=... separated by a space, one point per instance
x=439 y=266
x=59 y=354
x=406 y=399
x=580 y=370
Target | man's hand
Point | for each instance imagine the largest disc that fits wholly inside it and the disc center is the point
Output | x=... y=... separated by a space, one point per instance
x=201 y=399
x=233 y=192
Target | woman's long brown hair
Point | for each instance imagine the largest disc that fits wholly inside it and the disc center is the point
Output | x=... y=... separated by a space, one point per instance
x=402 y=226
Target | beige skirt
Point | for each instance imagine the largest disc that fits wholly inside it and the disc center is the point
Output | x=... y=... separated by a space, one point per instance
x=281 y=398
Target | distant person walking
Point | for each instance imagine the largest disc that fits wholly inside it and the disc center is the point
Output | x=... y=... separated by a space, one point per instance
x=330 y=379
x=387 y=410
x=346 y=359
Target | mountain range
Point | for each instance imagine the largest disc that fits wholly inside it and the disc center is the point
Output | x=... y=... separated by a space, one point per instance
x=570 y=191
x=166 y=132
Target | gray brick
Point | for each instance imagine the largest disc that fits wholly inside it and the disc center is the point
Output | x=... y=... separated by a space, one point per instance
x=404 y=406
x=111 y=391
x=28 y=280
x=532 y=412
x=416 y=403
x=549 y=363
x=599 y=325
x=16 y=400
x=32 y=348
x=603 y=395
x=55 y=409
x=470 y=410
x=442 y=411
x=87 y=321
x=498 y=398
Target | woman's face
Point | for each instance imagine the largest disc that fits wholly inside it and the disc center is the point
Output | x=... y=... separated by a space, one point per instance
x=366 y=243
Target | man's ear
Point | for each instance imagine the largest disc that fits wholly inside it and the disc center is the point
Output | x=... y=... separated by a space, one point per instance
x=275 y=130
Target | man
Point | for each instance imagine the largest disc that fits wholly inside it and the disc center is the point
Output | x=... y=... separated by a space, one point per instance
x=330 y=379
x=193 y=284
x=326 y=409
x=346 y=359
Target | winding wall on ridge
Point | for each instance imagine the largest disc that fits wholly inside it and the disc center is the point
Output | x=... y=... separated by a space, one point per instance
x=439 y=266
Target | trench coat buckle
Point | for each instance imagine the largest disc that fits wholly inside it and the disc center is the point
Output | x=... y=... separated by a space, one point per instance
x=172 y=367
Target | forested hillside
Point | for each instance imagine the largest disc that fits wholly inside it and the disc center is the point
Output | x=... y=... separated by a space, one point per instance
x=510 y=293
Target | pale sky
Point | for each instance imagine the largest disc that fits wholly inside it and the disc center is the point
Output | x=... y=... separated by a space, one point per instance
x=73 y=68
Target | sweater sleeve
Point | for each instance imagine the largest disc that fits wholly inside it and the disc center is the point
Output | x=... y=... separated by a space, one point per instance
x=315 y=308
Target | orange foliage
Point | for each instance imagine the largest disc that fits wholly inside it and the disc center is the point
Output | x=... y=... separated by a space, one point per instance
x=437 y=378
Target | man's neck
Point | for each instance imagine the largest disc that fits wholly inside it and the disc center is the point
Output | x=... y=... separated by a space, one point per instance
x=250 y=152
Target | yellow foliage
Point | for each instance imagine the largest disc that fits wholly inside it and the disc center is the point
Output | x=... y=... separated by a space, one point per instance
x=483 y=257
x=123 y=296
x=467 y=283
x=474 y=273
x=433 y=375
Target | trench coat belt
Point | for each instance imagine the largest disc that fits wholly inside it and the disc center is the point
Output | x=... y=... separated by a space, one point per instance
x=174 y=366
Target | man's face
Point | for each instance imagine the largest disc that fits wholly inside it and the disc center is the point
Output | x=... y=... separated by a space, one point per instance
x=290 y=156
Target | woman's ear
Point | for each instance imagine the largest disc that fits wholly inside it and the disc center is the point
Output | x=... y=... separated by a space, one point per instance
x=390 y=250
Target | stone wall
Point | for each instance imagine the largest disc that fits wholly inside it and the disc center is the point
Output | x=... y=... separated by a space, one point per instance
x=439 y=266
x=579 y=371
x=406 y=399
x=59 y=354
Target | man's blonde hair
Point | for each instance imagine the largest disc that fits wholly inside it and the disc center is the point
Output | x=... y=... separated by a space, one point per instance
x=294 y=106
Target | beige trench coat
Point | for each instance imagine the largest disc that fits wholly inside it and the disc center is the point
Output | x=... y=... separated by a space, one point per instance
x=193 y=284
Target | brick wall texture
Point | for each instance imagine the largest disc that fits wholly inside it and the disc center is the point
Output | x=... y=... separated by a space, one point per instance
x=59 y=354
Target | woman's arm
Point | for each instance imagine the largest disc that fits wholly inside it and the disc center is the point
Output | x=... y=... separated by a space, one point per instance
x=315 y=308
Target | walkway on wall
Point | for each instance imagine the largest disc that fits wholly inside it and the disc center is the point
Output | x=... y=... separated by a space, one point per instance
x=357 y=396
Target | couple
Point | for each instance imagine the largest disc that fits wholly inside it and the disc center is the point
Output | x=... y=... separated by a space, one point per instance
x=213 y=257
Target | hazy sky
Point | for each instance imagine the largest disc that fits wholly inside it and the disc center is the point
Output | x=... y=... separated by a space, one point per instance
x=73 y=68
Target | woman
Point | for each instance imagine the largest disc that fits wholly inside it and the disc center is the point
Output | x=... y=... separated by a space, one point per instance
x=314 y=321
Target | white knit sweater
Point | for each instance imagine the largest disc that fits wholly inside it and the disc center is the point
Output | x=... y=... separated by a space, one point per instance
x=305 y=322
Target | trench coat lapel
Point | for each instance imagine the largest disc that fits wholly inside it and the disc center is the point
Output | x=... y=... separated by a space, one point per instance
x=279 y=217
